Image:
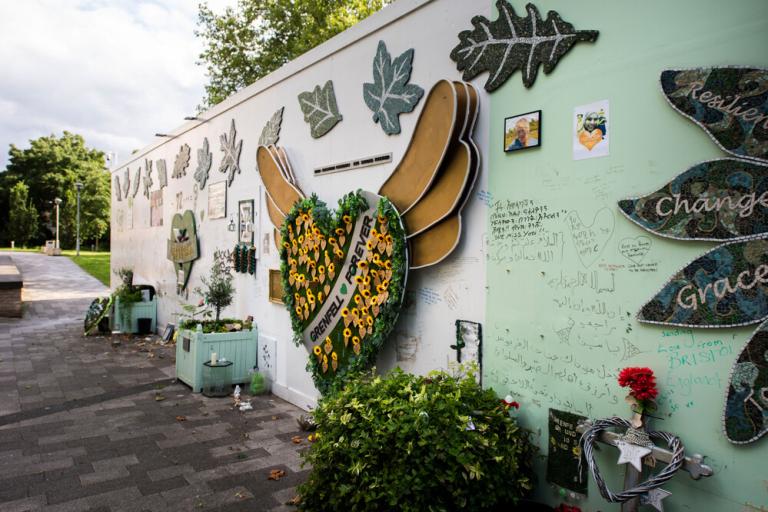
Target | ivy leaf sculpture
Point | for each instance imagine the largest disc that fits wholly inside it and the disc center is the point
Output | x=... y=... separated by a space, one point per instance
x=390 y=94
x=182 y=162
x=204 y=161
x=320 y=109
x=514 y=42
x=118 y=189
x=126 y=182
x=230 y=162
x=147 y=177
x=271 y=131
x=162 y=172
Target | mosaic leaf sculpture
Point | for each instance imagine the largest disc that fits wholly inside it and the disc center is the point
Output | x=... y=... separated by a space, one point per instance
x=126 y=182
x=320 y=109
x=720 y=200
x=513 y=42
x=270 y=134
x=183 y=247
x=390 y=94
x=344 y=271
x=147 y=177
x=136 y=182
x=181 y=162
x=230 y=162
x=204 y=162
x=162 y=173
x=118 y=189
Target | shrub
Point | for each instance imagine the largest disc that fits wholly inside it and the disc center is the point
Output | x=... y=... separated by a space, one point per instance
x=410 y=443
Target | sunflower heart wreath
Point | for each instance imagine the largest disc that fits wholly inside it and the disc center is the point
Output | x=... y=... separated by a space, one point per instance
x=343 y=273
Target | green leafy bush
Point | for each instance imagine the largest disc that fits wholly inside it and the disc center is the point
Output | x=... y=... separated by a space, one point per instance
x=410 y=443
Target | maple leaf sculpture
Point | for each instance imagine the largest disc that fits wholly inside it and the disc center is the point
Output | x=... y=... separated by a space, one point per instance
x=390 y=94
x=230 y=162
x=514 y=42
x=181 y=162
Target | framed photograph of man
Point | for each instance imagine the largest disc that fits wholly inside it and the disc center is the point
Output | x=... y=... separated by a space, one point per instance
x=522 y=131
x=245 y=222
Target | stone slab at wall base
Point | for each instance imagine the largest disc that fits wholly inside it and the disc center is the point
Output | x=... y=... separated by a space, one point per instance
x=294 y=396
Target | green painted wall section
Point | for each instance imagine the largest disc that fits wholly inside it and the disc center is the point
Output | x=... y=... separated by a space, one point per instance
x=560 y=326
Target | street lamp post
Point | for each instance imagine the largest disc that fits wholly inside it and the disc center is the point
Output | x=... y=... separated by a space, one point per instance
x=57 y=202
x=79 y=187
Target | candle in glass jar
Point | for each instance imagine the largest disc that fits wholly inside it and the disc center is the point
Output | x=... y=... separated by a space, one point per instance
x=213 y=358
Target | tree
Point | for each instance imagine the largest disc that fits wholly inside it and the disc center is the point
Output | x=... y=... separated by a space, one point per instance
x=22 y=222
x=50 y=167
x=217 y=289
x=258 y=36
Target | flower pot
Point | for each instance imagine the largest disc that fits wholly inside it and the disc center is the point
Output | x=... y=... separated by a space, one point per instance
x=127 y=317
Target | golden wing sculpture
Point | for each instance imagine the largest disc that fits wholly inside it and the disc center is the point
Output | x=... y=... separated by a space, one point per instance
x=430 y=185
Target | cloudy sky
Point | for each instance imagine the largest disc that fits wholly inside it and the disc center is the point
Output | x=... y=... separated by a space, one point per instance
x=114 y=71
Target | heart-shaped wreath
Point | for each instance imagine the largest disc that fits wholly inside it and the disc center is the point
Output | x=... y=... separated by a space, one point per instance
x=343 y=273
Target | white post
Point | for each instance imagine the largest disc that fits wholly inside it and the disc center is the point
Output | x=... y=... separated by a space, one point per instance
x=57 y=202
x=79 y=187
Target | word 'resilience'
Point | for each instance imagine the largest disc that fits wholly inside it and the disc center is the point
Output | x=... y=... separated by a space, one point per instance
x=719 y=103
x=745 y=205
x=691 y=297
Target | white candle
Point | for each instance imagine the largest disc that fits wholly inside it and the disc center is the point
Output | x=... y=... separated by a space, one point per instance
x=213 y=358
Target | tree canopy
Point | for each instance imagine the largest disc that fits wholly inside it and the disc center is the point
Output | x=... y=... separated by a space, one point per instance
x=22 y=221
x=50 y=167
x=256 y=37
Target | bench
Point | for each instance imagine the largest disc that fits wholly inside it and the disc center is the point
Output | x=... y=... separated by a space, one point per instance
x=11 y=284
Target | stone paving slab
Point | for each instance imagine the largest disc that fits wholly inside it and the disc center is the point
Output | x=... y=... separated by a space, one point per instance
x=83 y=428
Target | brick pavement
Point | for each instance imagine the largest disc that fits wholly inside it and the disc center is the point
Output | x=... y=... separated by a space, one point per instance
x=85 y=426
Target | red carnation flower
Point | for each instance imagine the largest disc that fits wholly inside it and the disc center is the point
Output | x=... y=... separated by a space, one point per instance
x=641 y=382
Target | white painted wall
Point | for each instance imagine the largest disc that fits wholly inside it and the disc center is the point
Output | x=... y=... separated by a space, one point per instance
x=437 y=296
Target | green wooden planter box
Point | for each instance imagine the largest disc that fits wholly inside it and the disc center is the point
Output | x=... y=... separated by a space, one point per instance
x=138 y=310
x=193 y=348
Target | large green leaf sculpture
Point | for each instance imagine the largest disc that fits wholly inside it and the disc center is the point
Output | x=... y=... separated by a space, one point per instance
x=320 y=109
x=513 y=42
x=390 y=94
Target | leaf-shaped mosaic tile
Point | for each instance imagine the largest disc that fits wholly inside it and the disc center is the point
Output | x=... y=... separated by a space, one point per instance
x=730 y=104
x=136 y=182
x=182 y=162
x=162 y=172
x=204 y=161
x=147 y=177
x=270 y=134
x=390 y=94
x=126 y=182
x=745 y=419
x=717 y=200
x=725 y=287
x=118 y=189
x=230 y=162
x=513 y=42
x=320 y=109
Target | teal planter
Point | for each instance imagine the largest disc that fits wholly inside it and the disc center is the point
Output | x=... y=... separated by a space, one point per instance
x=137 y=310
x=193 y=348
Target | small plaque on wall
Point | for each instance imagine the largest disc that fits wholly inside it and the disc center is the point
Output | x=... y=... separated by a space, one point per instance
x=217 y=200
x=156 y=208
x=275 y=286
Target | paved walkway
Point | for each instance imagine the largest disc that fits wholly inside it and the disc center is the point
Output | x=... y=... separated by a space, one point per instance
x=85 y=426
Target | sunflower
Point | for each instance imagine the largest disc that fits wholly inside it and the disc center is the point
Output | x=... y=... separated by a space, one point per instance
x=338 y=253
x=321 y=269
x=298 y=310
x=331 y=267
x=388 y=238
x=369 y=245
x=358 y=299
x=367 y=280
x=366 y=293
x=311 y=299
x=347 y=332
x=359 y=279
x=319 y=296
x=374 y=300
x=373 y=232
x=362 y=264
x=339 y=231
x=347 y=219
x=355 y=340
x=369 y=320
x=334 y=356
x=363 y=311
x=332 y=241
x=317 y=350
x=388 y=265
x=345 y=312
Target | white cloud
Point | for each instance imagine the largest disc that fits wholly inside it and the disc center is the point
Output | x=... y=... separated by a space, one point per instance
x=114 y=71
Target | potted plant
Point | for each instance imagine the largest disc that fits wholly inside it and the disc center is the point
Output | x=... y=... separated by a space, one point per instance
x=203 y=332
x=130 y=306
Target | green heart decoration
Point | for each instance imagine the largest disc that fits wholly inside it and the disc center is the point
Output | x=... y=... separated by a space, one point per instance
x=343 y=273
x=183 y=247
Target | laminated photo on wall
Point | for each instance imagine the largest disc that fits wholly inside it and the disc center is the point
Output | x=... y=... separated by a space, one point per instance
x=591 y=137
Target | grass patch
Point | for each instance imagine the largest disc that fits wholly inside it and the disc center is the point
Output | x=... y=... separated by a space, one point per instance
x=95 y=263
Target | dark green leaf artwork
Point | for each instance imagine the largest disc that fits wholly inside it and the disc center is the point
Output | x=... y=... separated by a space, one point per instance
x=726 y=287
x=722 y=199
x=136 y=182
x=564 y=459
x=230 y=162
x=183 y=248
x=513 y=42
x=390 y=94
x=271 y=131
x=97 y=311
x=320 y=109
x=162 y=173
x=126 y=182
x=147 y=177
x=204 y=161
x=118 y=188
x=729 y=103
x=746 y=408
x=181 y=162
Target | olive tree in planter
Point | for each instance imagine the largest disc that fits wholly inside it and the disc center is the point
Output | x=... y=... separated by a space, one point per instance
x=230 y=339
